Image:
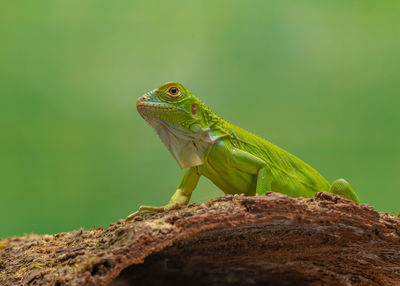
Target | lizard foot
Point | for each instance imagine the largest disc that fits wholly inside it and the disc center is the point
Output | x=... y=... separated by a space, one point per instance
x=150 y=209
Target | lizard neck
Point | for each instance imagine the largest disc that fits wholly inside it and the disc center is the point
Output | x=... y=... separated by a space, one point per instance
x=213 y=122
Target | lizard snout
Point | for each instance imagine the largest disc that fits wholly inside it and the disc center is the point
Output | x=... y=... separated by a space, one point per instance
x=142 y=99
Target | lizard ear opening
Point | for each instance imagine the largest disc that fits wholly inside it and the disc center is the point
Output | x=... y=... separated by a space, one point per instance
x=195 y=109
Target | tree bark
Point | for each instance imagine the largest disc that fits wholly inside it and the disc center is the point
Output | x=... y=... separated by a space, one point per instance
x=261 y=240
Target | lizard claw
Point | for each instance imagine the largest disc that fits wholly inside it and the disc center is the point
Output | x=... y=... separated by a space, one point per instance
x=235 y=197
x=149 y=209
x=132 y=215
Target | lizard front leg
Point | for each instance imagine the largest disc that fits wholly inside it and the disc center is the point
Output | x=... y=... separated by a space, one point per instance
x=246 y=162
x=181 y=196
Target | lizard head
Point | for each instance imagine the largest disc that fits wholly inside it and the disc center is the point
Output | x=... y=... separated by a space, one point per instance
x=174 y=105
x=181 y=121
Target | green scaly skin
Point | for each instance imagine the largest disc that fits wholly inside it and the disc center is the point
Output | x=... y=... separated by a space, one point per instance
x=235 y=160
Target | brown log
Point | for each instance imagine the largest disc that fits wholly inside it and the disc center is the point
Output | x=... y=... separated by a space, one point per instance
x=262 y=240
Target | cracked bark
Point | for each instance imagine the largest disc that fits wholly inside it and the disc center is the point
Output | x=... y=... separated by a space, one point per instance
x=265 y=240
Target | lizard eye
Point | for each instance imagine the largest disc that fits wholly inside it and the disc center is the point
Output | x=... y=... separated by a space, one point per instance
x=174 y=92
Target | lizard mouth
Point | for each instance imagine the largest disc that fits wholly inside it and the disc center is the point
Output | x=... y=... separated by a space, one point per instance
x=154 y=110
x=142 y=106
x=150 y=108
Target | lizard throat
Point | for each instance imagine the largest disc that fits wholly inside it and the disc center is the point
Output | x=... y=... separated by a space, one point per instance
x=188 y=149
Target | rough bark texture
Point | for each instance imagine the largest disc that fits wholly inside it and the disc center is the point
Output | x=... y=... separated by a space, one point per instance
x=268 y=240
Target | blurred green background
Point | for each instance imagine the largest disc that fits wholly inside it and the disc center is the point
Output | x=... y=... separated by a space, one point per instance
x=318 y=78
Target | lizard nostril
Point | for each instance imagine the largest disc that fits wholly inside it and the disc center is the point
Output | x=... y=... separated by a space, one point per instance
x=141 y=99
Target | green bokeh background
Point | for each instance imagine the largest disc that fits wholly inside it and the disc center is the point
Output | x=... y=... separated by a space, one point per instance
x=318 y=78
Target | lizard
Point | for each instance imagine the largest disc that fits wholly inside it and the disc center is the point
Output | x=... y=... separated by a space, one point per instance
x=235 y=160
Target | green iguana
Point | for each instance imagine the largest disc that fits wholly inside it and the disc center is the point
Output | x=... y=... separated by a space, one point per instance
x=235 y=160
